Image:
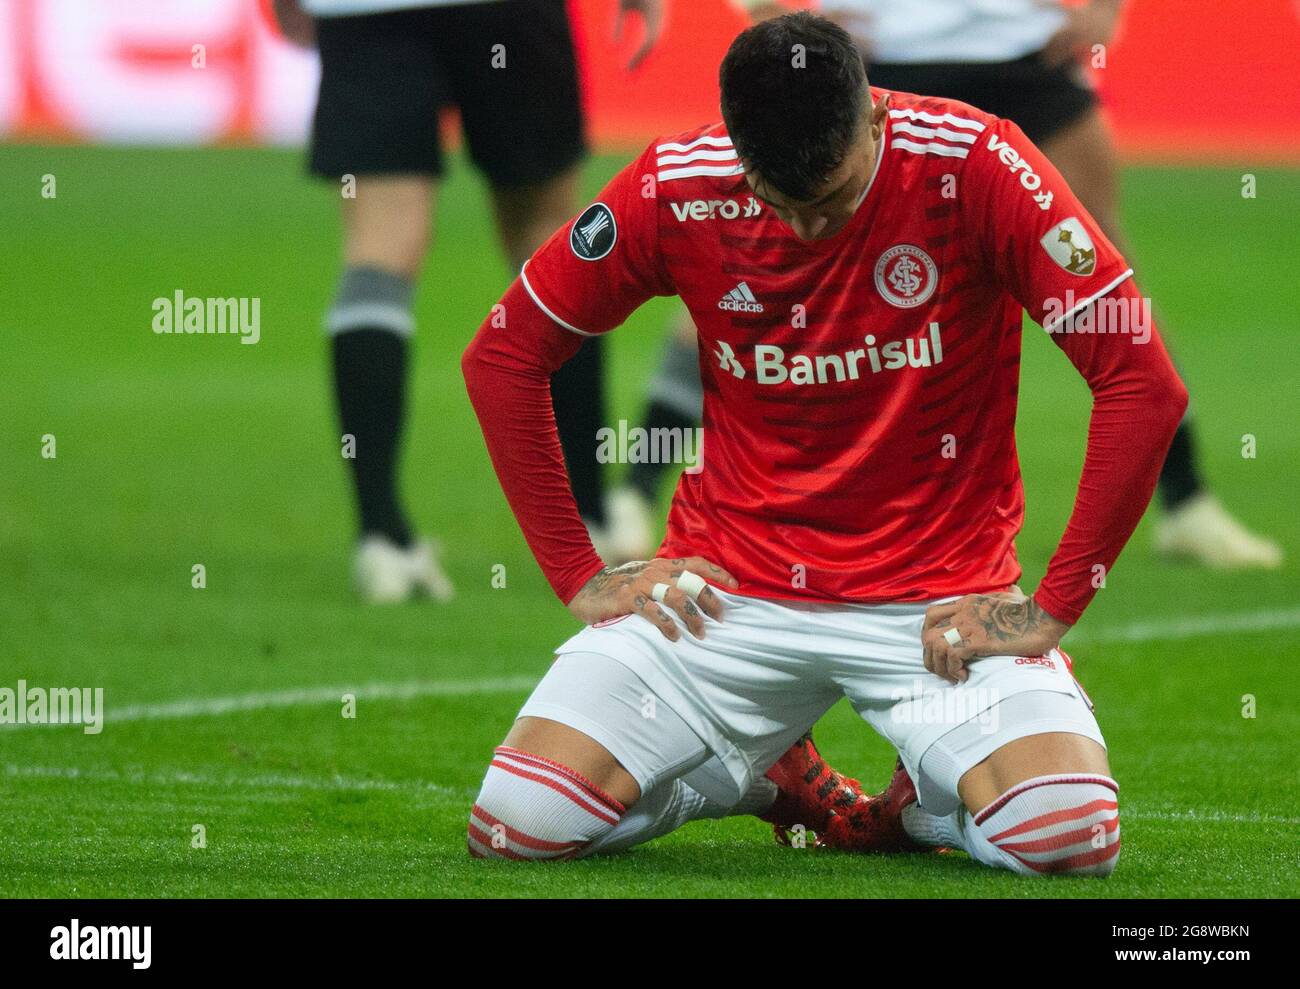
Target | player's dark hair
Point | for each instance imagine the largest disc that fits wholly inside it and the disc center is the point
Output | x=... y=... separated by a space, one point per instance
x=793 y=90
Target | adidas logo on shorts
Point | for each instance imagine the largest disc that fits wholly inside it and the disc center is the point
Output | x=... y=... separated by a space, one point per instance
x=1036 y=661
x=740 y=299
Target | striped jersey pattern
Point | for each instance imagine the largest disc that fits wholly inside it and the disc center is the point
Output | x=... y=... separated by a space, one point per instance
x=708 y=155
x=947 y=135
x=922 y=133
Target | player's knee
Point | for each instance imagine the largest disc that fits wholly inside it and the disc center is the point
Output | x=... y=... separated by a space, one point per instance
x=401 y=249
x=531 y=808
x=1066 y=824
x=387 y=225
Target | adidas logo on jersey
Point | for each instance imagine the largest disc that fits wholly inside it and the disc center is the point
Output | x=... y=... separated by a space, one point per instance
x=708 y=209
x=740 y=299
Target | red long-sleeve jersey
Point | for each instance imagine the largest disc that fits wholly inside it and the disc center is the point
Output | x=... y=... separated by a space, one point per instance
x=859 y=391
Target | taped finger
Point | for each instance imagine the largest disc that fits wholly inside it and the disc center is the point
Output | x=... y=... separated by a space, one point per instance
x=690 y=584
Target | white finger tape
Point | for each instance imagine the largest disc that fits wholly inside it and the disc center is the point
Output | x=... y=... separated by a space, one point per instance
x=659 y=591
x=690 y=584
x=953 y=637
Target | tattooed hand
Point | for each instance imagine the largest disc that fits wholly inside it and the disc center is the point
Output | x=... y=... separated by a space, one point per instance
x=1003 y=624
x=627 y=590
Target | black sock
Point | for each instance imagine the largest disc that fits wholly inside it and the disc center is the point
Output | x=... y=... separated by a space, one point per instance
x=646 y=476
x=1179 y=477
x=578 y=394
x=370 y=385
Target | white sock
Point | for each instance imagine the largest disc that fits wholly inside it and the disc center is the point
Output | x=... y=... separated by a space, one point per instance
x=670 y=805
x=937 y=832
x=534 y=808
x=1066 y=823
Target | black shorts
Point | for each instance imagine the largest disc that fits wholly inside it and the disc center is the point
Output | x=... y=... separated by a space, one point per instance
x=1039 y=99
x=385 y=76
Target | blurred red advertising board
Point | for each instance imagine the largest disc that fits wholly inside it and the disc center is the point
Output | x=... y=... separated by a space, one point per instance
x=1204 y=79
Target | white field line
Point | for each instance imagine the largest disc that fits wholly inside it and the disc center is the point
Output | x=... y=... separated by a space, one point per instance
x=256 y=781
x=334 y=783
x=195 y=707
x=1195 y=816
x=1200 y=626
x=1163 y=630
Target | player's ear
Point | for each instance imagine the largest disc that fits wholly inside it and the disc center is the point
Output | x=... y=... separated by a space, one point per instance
x=879 y=110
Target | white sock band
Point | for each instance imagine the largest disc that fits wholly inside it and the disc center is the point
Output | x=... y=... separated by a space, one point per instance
x=533 y=808
x=1067 y=823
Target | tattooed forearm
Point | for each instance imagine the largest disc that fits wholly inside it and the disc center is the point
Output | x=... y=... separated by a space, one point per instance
x=611 y=575
x=618 y=576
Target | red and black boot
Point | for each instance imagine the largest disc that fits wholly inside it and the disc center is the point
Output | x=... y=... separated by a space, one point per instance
x=810 y=794
x=876 y=823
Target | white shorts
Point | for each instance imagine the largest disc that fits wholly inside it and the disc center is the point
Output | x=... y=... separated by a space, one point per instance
x=720 y=711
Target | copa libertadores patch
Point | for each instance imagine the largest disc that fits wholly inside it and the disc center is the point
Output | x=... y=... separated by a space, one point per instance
x=593 y=234
x=1070 y=246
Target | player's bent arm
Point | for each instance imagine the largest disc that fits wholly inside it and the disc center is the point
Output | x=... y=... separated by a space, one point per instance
x=1138 y=400
x=1042 y=247
x=584 y=281
x=507 y=369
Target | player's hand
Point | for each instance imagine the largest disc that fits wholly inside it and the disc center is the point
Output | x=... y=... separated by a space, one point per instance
x=295 y=23
x=630 y=590
x=1085 y=25
x=652 y=19
x=1003 y=624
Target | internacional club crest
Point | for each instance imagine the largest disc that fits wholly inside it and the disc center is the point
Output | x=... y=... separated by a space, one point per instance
x=906 y=276
x=593 y=234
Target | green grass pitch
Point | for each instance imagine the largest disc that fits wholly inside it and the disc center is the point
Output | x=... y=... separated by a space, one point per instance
x=173 y=451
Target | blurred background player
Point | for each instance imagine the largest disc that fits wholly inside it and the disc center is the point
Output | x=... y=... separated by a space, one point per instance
x=1017 y=59
x=387 y=69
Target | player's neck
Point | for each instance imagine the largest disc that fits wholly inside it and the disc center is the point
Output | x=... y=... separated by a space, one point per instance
x=875 y=170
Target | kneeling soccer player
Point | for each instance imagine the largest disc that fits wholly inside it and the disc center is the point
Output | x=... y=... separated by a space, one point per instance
x=856 y=262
